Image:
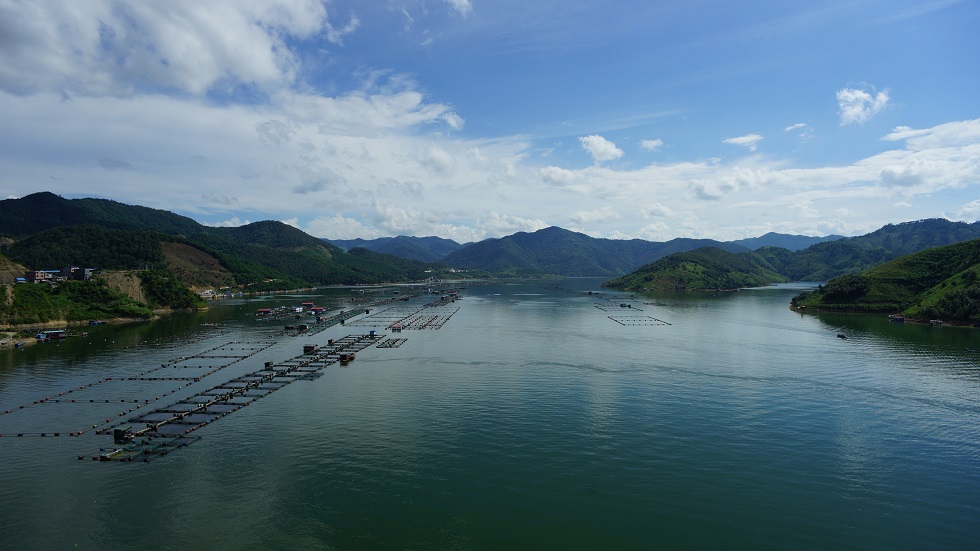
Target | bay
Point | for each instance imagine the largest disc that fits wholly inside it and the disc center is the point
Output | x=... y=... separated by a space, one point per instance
x=541 y=414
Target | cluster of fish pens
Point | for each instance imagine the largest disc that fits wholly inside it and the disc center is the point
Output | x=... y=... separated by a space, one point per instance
x=170 y=427
x=118 y=405
x=430 y=316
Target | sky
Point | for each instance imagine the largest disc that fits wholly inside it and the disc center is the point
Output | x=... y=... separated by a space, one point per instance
x=472 y=119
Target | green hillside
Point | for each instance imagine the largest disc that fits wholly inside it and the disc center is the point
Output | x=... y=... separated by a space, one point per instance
x=558 y=251
x=704 y=268
x=824 y=261
x=50 y=232
x=942 y=282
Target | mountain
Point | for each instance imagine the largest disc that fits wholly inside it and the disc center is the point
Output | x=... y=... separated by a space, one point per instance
x=47 y=231
x=700 y=269
x=824 y=261
x=558 y=251
x=44 y=210
x=784 y=241
x=941 y=282
x=424 y=249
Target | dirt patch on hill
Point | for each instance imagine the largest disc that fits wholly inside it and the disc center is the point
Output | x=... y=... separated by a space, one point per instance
x=196 y=268
x=9 y=271
x=124 y=282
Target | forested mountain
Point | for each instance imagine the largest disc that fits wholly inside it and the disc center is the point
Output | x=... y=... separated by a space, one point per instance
x=941 y=282
x=49 y=232
x=41 y=211
x=700 y=269
x=562 y=252
x=784 y=241
x=823 y=261
x=425 y=249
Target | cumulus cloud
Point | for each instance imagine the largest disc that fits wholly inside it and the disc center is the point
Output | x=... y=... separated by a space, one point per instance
x=858 y=106
x=652 y=145
x=558 y=176
x=438 y=160
x=656 y=210
x=600 y=148
x=110 y=47
x=341 y=227
x=232 y=222
x=751 y=141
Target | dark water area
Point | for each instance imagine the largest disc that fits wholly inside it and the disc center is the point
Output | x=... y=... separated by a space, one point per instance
x=537 y=416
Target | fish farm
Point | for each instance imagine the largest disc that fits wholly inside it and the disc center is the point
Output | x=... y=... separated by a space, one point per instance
x=155 y=410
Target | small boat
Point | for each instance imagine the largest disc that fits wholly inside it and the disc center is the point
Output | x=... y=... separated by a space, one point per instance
x=935 y=322
x=896 y=318
x=841 y=336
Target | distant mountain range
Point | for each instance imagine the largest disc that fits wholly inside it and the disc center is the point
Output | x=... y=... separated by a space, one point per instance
x=436 y=249
x=44 y=230
x=784 y=241
x=819 y=262
x=424 y=249
x=562 y=252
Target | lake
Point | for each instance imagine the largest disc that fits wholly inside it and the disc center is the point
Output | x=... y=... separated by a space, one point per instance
x=524 y=415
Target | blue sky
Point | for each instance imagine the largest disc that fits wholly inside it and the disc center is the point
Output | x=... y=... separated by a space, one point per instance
x=470 y=119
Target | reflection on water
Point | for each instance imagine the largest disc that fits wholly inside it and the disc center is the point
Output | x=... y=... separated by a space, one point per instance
x=535 y=417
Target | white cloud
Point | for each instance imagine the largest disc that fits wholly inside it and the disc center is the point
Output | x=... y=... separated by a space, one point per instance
x=340 y=227
x=969 y=212
x=858 y=106
x=600 y=148
x=558 y=176
x=796 y=126
x=751 y=141
x=232 y=222
x=604 y=214
x=336 y=36
x=110 y=47
x=652 y=145
x=656 y=210
x=453 y=120
x=944 y=135
x=462 y=7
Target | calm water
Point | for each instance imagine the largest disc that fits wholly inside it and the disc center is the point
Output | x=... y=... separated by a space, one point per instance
x=538 y=416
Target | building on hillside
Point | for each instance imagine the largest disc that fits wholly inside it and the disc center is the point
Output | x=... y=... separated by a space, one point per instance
x=75 y=273
x=37 y=276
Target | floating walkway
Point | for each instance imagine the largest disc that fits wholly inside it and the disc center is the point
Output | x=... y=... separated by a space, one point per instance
x=637 y=320
x=428 y=316
x=172 y=423
x=392 y=343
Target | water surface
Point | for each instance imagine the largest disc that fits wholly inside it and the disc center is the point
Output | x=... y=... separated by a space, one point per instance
x=538 y=416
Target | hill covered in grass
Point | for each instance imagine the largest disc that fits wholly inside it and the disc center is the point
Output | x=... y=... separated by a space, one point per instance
x=701 y=269
x=941 y=282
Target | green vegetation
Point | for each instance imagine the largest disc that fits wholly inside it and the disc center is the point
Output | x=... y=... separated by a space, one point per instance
x=704 y=268
x=90 y=247
x=163 y=290
x=70 y=300
x=942 y=282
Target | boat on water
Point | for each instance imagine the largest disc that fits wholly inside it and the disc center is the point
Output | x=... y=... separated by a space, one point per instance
x=896 y=318
x=841 y=336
